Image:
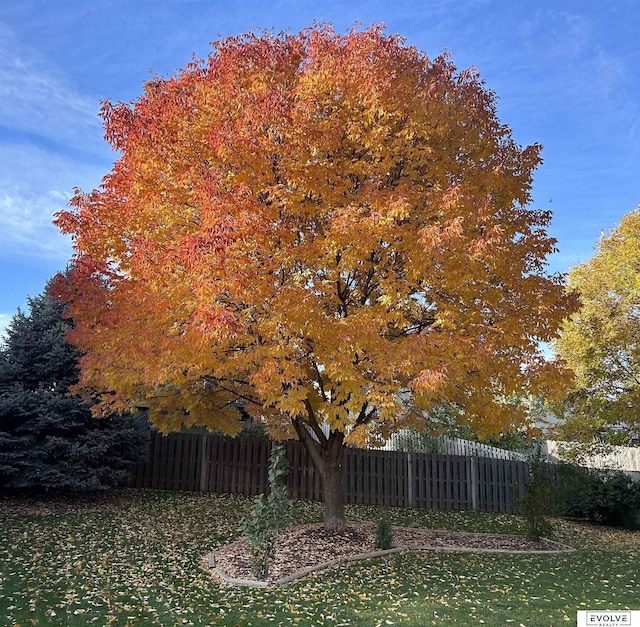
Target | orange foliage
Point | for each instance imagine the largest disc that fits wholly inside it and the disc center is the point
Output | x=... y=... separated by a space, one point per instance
x=330 y=226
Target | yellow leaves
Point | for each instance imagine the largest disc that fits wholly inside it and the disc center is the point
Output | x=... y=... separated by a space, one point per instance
x=358 y=437
x=599 y=341
x=399 y=209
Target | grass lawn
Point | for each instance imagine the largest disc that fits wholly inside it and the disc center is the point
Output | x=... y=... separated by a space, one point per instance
x=139 y=565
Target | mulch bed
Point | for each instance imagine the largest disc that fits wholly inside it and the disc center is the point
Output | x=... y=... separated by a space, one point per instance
x=304 y=548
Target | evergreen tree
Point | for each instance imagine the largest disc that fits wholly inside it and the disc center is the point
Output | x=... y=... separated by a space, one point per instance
x=48 y=438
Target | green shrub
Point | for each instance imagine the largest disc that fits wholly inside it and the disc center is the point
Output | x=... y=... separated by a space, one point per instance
x=534 y=504
x=614 y=499
x=572 y=487
x=269 y=515
x=384 y=535
x=416 y=442
x=608 y=497
x=254 y=430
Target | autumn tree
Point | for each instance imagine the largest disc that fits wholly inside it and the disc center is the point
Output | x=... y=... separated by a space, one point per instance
x=332 y=228
x=601 y=342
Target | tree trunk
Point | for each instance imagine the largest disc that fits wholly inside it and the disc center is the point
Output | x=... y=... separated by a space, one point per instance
x=327 y=454
x=332 y=485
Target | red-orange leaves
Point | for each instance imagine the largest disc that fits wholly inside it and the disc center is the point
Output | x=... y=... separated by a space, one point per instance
x=214 y=321
x=316 y=223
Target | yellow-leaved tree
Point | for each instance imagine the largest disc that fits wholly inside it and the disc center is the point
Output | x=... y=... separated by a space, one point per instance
x=329 y=227
x=601 y=342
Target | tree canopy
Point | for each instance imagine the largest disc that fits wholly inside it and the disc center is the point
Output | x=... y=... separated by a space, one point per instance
x=333 y=228
x=601 y=342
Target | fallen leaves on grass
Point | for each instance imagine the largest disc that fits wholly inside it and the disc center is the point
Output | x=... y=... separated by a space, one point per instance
x=140 y=565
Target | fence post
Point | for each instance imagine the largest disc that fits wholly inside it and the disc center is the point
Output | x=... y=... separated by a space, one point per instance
x=473 y=480
x=411 y=497
x=204 y=466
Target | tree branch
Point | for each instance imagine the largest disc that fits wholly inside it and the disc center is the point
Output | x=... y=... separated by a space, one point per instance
x=310 y=444
x=313 y=423
x=361 y=419
x=319 y=380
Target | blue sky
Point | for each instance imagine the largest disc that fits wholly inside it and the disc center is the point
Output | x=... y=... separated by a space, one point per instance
x=565 y=72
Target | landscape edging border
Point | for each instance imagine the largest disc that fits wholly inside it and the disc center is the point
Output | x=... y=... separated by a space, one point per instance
x=409 y=548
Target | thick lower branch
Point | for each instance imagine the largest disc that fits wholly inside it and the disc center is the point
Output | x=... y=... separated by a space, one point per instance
x=313 y=423
x=312 y=446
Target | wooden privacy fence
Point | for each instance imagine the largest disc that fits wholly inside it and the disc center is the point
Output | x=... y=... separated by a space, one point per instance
x=208 y=463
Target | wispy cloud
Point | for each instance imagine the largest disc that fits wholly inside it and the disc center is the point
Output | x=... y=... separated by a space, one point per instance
x=34 y=184
x=572 y=72
x=37 y=100
x=50 y=143
x=27 y=229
